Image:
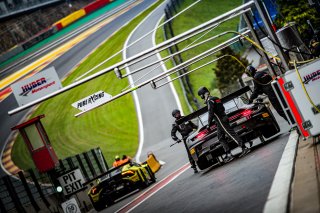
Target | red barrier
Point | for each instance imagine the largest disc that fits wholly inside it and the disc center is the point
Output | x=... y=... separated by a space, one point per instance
x=58 y=26
x=95 y=5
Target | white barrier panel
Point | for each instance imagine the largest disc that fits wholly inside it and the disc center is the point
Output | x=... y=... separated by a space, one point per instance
x=71 y=182
x=70 y=206
x=306 y=94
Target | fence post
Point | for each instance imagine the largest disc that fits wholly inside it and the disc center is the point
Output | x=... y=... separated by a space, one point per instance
x=62 y=167
x=178 y=58
x=82 y=167
x=26 y=186
x=173 y=5
x=36 y=183
x=178 y=2
x=169 y=11
x=2 y=208
x=13 y=194
x=70 y=163
x=86 y=157
x=96 y=159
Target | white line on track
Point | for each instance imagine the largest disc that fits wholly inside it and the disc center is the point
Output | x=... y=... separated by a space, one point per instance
x=135 y=95
x=154 y=189
x=174 y=92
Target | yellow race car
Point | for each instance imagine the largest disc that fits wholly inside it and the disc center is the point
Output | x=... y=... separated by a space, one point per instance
x=119 y=182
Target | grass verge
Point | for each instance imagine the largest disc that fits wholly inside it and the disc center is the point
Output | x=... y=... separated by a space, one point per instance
x=113 y=127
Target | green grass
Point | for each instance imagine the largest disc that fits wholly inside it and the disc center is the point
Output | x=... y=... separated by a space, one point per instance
x=204 y=11
x=113 y=127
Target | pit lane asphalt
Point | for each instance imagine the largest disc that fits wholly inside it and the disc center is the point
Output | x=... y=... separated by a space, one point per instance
x=63 y=65
x=240 y=186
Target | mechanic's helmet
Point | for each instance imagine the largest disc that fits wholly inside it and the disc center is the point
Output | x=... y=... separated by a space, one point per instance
x=202 y=91
x=117 y=157
x=175 y=113
x=251 y=70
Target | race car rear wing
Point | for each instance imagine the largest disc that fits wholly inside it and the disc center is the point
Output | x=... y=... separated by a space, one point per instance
x=203 y=110
x=108 y=172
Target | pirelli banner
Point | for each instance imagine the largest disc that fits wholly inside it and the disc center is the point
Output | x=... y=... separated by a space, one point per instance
x=37 y=86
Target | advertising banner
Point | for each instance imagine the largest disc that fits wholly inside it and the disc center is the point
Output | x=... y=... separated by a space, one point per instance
x=37 y=86
x=92 y=101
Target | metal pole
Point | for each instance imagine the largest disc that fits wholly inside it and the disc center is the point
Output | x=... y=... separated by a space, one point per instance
x=180 y=66
x=224 y=45
x=257 y=40
x=207 y=25
x=176 y=40
x=179 y=52
x=195 y=69
x=265 y=19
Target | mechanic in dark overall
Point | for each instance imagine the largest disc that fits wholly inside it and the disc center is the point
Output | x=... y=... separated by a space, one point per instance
x=216 y=111
x=184 y=129
x=262 y=84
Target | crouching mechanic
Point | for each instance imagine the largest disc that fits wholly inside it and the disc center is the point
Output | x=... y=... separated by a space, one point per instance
x=216 y=111
x=184 y=129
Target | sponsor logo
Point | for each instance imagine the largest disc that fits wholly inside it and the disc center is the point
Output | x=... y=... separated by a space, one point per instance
x=36 y=86
x=90 y=100
x=311 y=77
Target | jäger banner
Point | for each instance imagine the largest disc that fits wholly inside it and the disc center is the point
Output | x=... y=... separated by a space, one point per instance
x=37 y=86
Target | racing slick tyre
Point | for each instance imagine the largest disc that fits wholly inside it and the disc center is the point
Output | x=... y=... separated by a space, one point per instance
x=106 y=199
x=143 y=180
x=203 y=163
x=151 y=174
x=262 y=138
x=270 y=130
x=109 y=201
x=98 y=206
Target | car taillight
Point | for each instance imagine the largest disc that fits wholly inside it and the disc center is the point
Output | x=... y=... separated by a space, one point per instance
x=246 y=112
x=201 y=134
x=94 y=190
x=127 y=173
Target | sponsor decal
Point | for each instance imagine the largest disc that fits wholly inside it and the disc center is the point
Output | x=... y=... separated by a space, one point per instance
x=311 y=77
x=36 y=86
x=92 y=101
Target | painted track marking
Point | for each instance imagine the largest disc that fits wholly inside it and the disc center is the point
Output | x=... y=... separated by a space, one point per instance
x=144 y=196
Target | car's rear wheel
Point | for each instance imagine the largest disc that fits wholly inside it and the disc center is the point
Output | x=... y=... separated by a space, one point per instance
x=261 y=138
x=98 y=206
x=106 y=199
x=143 y=180
x=151 y=174
x=203 y=163
x=270 y=130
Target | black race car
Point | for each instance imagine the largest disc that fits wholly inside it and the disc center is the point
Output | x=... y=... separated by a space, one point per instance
x=250 y=121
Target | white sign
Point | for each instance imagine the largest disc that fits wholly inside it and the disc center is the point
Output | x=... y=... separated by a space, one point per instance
x=71 y=182
x=37 y=86
x=70 y=206
x=92 y=101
